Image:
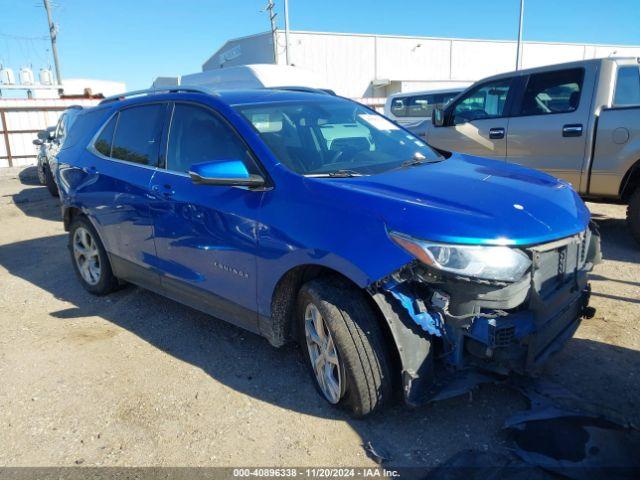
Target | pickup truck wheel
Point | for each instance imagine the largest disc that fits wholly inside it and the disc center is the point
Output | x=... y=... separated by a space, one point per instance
x=633 y=214
x=89 y=258
x=49 y=181
x=344 y=346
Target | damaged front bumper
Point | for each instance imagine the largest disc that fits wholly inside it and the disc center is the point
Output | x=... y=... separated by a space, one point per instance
x=438 y=319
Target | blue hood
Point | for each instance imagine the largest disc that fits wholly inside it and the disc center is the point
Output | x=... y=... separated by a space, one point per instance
x=472 y=200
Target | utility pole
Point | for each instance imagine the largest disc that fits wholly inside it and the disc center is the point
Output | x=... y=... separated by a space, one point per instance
x=53 y=33
x=519 y=50
x=286 y=31
x=274 y=30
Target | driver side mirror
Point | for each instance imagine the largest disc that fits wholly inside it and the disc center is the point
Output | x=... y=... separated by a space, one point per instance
x=224 y=172
x=37 y=142
x=44 y=135
x=437 y=117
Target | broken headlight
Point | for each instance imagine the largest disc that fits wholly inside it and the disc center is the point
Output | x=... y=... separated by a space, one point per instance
x=478 y=261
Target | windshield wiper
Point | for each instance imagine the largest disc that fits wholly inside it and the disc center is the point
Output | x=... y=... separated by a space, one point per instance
x=342 y=173
x=413 y=162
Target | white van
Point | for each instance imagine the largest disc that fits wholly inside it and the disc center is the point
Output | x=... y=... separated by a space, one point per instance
x=413 y=110
x=247 y=76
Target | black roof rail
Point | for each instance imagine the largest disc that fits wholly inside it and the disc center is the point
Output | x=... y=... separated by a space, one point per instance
x=153 y=91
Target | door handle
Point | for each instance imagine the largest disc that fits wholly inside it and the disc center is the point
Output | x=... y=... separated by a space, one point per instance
x=496 y=133
x=165 y=190
x=572 y=130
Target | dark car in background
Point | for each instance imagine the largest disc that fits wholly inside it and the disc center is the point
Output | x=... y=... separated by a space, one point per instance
x=50 y=142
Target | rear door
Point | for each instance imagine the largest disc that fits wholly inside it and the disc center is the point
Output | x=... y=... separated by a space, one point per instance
x=125 y=157
x=206 y=235
x=477 y=122
x=548 y=128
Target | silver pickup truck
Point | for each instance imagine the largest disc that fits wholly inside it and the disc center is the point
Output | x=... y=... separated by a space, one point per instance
x=579 y=121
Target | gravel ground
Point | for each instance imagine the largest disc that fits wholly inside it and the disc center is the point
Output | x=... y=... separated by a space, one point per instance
x=134 y=379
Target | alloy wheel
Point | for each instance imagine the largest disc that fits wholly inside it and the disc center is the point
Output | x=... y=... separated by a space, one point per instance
x=85 y=252
x=323 y=354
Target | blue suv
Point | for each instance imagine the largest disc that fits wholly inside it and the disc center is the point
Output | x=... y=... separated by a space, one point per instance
x=303 y=216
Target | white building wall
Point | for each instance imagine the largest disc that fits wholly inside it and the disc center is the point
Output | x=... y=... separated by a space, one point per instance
x=351 y=64
x=21 y=124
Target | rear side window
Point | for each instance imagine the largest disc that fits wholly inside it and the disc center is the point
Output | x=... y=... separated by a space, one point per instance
x=552 y=92
x=627 y=86
x=103 y=142
x=197 y=135
x=137 y=134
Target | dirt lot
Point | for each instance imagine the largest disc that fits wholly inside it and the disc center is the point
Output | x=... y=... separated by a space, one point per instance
x=135 y=379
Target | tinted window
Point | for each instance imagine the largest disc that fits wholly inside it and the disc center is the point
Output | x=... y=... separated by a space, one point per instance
x=103 y=142
x=485 y=101
x=628 y=86
x=552 y=92
x=420 y=105
x=197 y=135
x=138 y=133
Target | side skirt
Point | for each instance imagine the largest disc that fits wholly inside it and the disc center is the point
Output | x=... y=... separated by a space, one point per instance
x=181 y=292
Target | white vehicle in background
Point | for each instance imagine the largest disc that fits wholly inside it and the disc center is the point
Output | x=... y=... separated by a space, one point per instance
x=413 y=110
x=248 y=77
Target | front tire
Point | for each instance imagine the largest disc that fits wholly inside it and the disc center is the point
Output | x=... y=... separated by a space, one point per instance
x=90 y=259
x=344 y=346
x=633 y=214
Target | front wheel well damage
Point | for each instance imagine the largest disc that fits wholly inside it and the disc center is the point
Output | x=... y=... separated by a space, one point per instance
x=283 y=327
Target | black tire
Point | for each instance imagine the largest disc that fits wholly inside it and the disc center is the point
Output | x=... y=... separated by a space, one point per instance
x=107 y=282
x=633 y=214
x=49 y=181
x=361 y=347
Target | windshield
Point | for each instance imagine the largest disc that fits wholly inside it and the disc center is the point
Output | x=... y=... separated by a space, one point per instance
x=335 y=136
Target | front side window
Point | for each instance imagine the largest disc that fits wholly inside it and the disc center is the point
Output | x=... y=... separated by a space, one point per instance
x=552 y=92
x=399 y=107
x=627 y=86
x=197 y=135
x=332 y=136
x=137 y=134
x=61 y=128
x=485 y=101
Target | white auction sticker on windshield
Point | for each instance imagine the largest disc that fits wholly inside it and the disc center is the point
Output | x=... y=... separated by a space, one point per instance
x=378 y=122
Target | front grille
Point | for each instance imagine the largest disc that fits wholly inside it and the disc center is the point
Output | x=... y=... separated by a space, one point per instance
x=502 y=336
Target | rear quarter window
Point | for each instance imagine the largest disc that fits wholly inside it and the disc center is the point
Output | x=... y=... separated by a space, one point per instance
x=84 y=127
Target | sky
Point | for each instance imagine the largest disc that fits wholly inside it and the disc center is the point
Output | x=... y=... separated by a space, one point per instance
x=137 y=40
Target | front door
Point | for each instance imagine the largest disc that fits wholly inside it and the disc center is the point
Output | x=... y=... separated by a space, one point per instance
x=206 y=235
x=476 y=123
x=549 y=124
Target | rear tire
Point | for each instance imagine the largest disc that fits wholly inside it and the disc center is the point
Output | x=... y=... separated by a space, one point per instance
x=89 y=258
x=633 y=214
x=49 y=181
x=360 y=381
